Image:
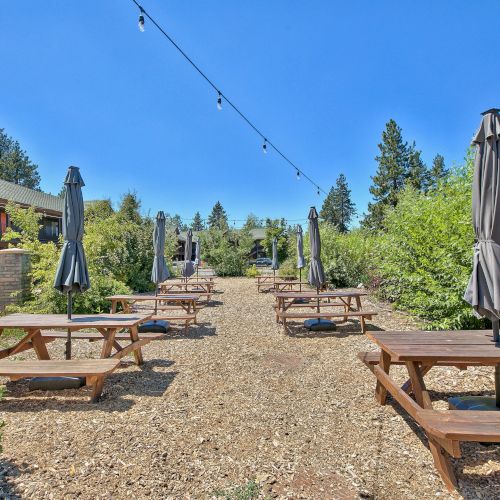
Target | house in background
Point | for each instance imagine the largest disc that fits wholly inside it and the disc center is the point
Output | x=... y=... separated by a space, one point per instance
x=49 y=206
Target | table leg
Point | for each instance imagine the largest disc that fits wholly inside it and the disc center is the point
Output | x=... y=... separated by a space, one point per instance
x=361 y=318
x=134 y=337
x=380 y=390
x=418 y=385
x=39 y=346
x=109 y=340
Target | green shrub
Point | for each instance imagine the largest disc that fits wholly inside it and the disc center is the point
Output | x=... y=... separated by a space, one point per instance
x=424 y=258
x=252 y=272
x=288 y=270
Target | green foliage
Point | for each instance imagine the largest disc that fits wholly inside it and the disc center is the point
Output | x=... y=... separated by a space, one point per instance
x=98 y=210
x=252 y=222
x=288 y=269
x=218 y=217
x=226 y=251
x=252 y=272
x=130 y=207
x=338 y=208
x=438 y=172
x=197 y=224
x=276 y=228
x=346 y=257
x=248 y=491
x=15 y=165
x=424 y=259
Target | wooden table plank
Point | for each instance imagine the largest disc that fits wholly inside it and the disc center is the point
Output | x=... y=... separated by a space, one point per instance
x=315 y=295
x=78 y=321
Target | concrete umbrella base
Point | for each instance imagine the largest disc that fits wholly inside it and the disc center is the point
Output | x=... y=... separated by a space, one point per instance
x=478 y=403
x=314 y=325
x=158 y=326
x=55 y=383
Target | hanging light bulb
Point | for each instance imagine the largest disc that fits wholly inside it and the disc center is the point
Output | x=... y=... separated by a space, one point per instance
x=264 y=146
x=298 y=175
x=141 y=20
x=219 y=101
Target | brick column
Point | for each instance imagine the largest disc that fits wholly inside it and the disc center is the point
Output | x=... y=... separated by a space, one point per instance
x=14 y=269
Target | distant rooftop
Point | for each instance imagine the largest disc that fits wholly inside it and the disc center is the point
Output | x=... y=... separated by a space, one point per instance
x=10 y=191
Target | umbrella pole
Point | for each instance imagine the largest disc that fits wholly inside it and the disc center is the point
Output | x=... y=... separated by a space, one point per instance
x=156 y=301
x=68 y=333
x=300 y=279
x=495 y=324
x=317 y=291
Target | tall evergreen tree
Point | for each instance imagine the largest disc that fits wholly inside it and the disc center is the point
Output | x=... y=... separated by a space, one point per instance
x=197 y=224
x=15 y=165
x=252 y=222
x=390 y=176
x=130 y=208
x=437 y=172
x=338 y=208
x=418 y=174
x=218 y=217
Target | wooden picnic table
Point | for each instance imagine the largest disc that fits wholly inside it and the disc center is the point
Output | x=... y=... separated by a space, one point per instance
x=288 y=303
x=186 y=302
x=419 y=352
x=187 y=286
x=95 y=370
x=281 y=285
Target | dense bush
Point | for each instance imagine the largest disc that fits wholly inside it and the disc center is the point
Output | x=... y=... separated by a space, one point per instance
x=252 y=272
x=346 y=257
x=226 y=251
x=424 y=258
x=288 y=269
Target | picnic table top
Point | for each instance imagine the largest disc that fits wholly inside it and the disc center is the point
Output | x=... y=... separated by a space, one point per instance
x=315 y=295
x=464 y=345
x=289 y=282
x=186 y=283
x=34 y=321
x=174 y=298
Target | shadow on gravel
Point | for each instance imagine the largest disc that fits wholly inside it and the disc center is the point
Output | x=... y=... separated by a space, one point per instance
x=195 y=332
x=9 y=470
x=343 y=330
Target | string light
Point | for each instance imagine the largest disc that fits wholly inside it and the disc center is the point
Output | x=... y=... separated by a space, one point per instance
x=220 y=95
x=318 y=191
x=264 y=147
x=141 y=20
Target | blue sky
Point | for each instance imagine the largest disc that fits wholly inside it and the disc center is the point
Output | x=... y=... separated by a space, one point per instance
x=82 y=86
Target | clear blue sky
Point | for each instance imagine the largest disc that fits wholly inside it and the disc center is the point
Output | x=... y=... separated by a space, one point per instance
x=82 y=86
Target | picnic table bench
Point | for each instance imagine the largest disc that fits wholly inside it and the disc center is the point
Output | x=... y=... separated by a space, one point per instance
x=200 y=288
x=421 y=351
x=182 y=302
x=280 y=285
x=291 y=306
x=107 y=326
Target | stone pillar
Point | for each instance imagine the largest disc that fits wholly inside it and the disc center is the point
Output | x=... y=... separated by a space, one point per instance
x=14 y=279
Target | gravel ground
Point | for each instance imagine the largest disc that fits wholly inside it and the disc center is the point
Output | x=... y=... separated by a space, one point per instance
x=236 y=404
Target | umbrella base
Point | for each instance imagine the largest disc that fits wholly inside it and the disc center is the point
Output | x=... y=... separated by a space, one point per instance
x=55 y=383
x=477 y=403
x=159 y=326
x=319 y=325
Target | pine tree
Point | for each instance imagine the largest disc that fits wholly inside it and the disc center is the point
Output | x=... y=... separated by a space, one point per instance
x=130 y=208
x=338 y=208
x=15 y=165
x=437 y=172
x=418 y=175
x=390 y=176
x=252 y=222
x=197 y=224
x=218 y=218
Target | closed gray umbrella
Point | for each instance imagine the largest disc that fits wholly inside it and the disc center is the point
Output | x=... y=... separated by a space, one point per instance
x=188 y=267
x=483 y=291
x=275 y=264
x=159 y=273
x=316 y=274
x=301 y=262
x=197 y=257
x=72 y=274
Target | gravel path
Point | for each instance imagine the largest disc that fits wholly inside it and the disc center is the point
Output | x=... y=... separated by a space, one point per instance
x=236 y=403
